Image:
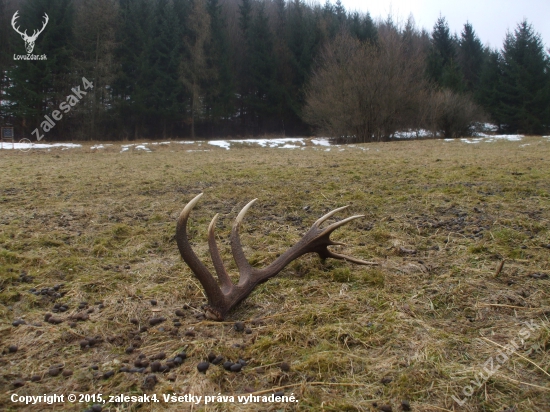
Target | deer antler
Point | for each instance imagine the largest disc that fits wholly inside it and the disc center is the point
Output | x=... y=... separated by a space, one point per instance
x=222 y=299
x=35 y=33
x=29 y=40
x=13 y=21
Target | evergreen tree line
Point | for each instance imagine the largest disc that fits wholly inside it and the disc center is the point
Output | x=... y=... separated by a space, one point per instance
x=186 y=68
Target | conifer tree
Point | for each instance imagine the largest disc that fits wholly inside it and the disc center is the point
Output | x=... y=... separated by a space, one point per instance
x=131 y=86
x=219 y=90
x=488 y=91
x=470 y=57
x=262 y=69
x=94 y=31
x=442 y=66
x=194 y=65
x=5 y=54
x=164 y=61
x=525 y=82
x=38 y=85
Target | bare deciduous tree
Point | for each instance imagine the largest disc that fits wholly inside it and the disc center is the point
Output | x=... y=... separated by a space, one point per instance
x=365 y=90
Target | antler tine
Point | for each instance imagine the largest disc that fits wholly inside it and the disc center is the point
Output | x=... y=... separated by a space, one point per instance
x=216 y=257
x=236 y=246
x=13 y=22
x=342 y=222
x=329 y=214
x=211 y=288
x=46 y=20
x=330 y=254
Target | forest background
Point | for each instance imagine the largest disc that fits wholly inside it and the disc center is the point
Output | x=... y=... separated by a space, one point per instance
x=211 y=68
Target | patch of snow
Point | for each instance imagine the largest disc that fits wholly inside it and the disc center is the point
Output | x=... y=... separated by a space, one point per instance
x=125 y=148
x=220 y=143
x=157 y=143
x=321 y=141
x=492 y=138
x=283 y=143
x=509 y=137
x=184 y=141
x=473 y=140
x=526 y=144
x=26 y=146
x=411 y=134
x=489 y=127
x=142 y=147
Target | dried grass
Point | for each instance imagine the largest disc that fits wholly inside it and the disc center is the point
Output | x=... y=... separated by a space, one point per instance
x=440 y=218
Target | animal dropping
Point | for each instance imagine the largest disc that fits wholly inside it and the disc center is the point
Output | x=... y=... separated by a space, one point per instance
x=226 y=295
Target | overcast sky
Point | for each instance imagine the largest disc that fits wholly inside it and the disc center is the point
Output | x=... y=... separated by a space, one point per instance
x=491 y=19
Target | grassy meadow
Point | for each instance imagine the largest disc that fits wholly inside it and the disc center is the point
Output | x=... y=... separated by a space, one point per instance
x=460 y=234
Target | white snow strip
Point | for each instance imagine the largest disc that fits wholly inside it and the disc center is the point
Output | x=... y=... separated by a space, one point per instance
x=322 y=141
x=411 y=134
x=473 y=140
x=220 y=143
x=283 y=143
x=26 y=146
x=509 y=137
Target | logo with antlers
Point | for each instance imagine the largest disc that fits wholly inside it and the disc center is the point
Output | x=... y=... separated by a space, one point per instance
x=29 y=40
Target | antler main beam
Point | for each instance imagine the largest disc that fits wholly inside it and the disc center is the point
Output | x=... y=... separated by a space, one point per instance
x=226 y=295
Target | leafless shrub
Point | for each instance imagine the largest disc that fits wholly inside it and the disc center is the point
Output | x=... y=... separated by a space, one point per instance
x=371 y=91
x=365 y=90
x=453 y=115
